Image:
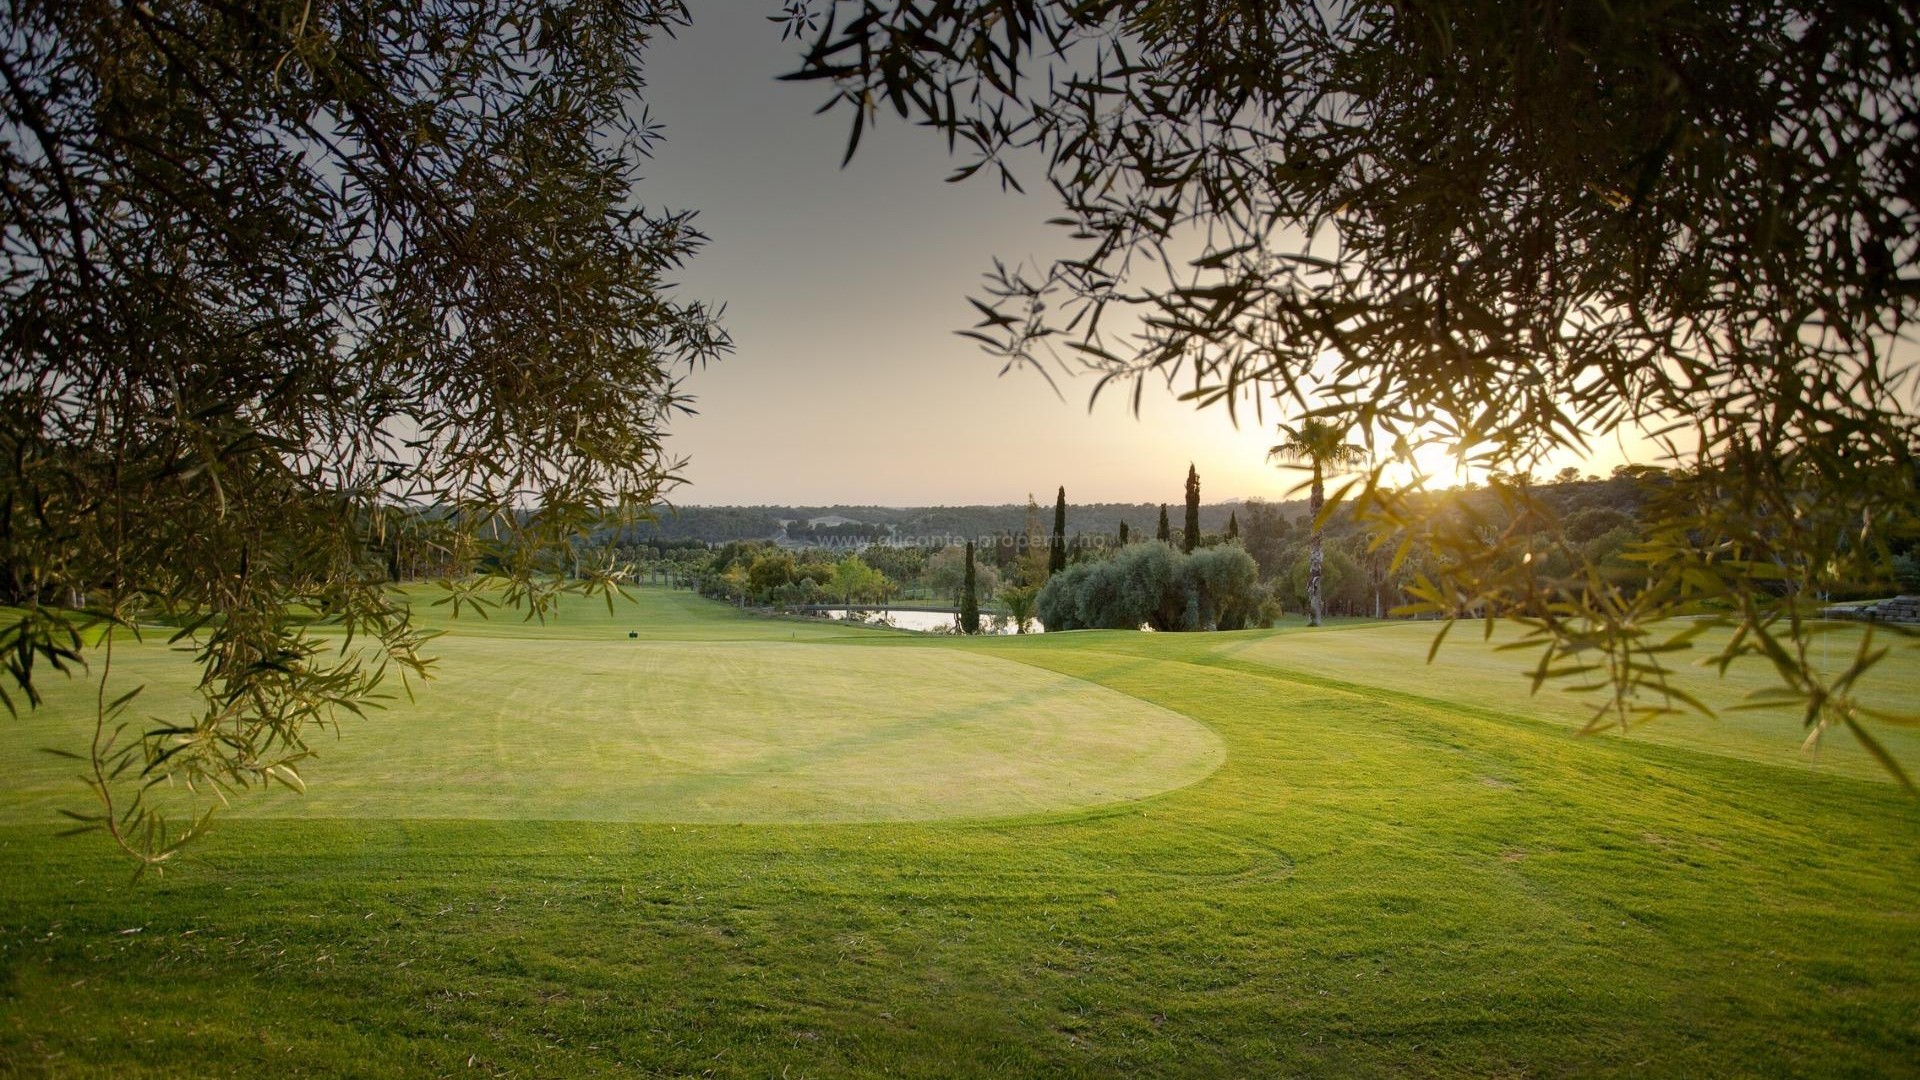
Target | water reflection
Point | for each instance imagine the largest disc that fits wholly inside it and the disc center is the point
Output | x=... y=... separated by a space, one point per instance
x=932 y=622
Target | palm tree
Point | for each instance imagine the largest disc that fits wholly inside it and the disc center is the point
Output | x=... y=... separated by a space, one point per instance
x=1019 y=600
x=1320 y=445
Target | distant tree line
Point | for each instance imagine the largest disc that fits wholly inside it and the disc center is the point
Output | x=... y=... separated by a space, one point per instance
x=719 y=524
x=1071 y=571
x=841 y=535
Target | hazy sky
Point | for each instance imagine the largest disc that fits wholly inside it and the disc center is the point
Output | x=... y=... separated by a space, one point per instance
x=843 y=291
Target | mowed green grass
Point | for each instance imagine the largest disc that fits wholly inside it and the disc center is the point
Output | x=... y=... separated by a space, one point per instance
x=1423 y=878
x=1472 y=671
x=738 y=720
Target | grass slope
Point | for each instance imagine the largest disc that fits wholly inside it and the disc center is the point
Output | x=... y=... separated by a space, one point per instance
x=1372 y=883
x=1473 y=673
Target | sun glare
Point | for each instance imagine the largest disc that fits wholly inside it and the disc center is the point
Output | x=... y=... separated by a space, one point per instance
x=1433 y=464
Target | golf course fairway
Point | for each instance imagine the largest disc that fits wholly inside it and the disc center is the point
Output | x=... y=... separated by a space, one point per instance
x=680 y=840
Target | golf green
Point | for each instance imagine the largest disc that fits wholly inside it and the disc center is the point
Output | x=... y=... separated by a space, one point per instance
x=600 y=727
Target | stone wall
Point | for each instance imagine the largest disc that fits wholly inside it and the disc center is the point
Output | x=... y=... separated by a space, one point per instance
x=1900 y=609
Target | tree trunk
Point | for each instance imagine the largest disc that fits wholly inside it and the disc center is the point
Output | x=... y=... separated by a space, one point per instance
x=1316 y=559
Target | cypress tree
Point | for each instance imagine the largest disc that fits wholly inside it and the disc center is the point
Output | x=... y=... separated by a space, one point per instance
x=1190 y=539
x=1057 y=556
x=969 y=599
x=1038 y=554
x=1164 y=534
x=1123 y=534
x=1233 y=526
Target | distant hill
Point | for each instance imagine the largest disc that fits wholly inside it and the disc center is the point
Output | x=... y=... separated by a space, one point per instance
x=924 y=524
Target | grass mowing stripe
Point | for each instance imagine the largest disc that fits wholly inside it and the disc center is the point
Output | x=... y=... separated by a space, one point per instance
x=710 y=731
x=1365 y=887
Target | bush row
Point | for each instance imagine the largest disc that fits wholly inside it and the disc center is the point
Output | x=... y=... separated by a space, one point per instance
x=1151 y=584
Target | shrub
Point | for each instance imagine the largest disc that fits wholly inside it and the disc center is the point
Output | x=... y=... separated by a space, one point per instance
x=1906 y=574
x=1270 y=612
x=1152 y=580
x=1102 y=603
x=1154 y=585
x=1058 y=603
x=1226 y=582
x=1592 y=522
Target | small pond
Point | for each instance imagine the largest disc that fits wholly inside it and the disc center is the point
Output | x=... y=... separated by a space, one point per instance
x=940 y=622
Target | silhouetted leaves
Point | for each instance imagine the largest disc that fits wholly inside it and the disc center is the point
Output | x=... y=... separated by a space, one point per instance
x=1507 y=228
x=298 y=294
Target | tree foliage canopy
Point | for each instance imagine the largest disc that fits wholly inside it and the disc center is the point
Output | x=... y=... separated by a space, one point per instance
x=969 y=597
x=1190 y=531
x=287 y=284
x=1501 y=227
x=1057 y=543
x=1156 y=585
x=1318 y=446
